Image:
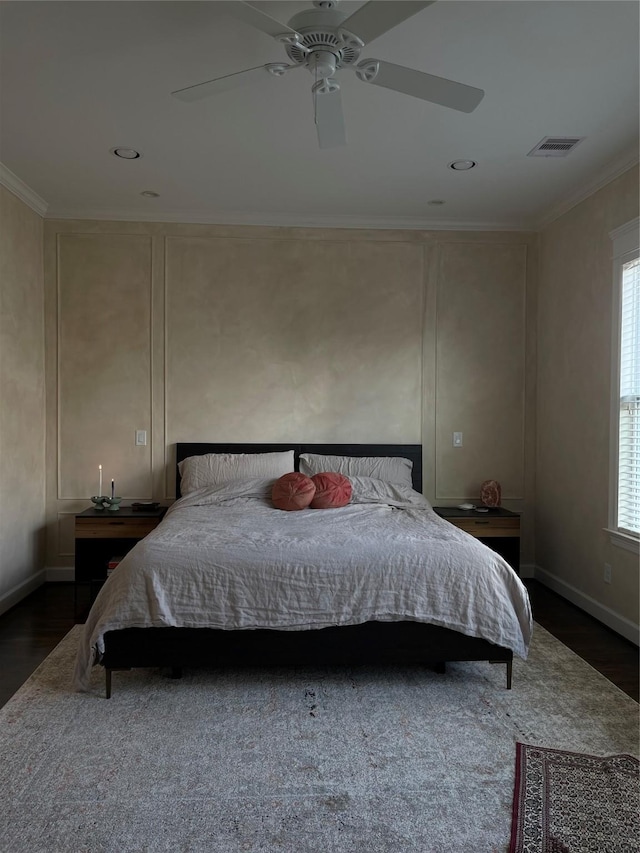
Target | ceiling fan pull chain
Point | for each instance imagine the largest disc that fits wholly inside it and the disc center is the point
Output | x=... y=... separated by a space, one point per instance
x=315 y=97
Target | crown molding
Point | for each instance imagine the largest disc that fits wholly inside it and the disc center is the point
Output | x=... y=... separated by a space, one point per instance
x=610 y=172
x=24 y=192
x=285 y=220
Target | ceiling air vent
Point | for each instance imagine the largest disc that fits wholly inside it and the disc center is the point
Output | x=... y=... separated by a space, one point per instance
x=555 y=146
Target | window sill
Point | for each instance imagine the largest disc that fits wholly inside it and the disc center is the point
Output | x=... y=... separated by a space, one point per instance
x=624 y=540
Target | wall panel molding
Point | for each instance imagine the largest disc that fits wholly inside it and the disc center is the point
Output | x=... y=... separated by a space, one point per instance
x=117 y=306
x=258 y=333
x=483 y=385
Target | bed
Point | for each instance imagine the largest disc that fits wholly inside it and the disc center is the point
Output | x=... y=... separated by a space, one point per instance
x=226 y=579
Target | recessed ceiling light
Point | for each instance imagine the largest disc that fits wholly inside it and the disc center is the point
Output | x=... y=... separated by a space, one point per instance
x=126 y=153
x=462 y=165
x=436 y=201
x=150 y=194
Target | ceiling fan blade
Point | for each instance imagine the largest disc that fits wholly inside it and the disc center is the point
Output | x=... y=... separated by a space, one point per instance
x=254 y=17
x=378 y=16
x=329 y=119
x=428 y=87
x=222 y=84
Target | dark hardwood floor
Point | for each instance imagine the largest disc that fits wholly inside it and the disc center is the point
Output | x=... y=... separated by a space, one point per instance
x=31 y=629
x=608 y=652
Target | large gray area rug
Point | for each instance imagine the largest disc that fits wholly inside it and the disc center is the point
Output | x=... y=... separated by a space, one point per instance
x=382 y=760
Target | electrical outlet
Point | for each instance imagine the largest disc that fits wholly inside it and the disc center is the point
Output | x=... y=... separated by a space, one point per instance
x=607 y=573
x=141 y=437
x=457 y=439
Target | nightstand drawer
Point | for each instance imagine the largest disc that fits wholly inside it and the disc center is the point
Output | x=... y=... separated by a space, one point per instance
x=488 y=526
x=499 y=529
x=114 y=528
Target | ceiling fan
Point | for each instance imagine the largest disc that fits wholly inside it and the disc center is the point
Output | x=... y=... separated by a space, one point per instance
x=324 y=40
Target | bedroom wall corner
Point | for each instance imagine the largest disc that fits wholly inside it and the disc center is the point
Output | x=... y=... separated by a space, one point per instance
x=573 y=413
x=22 y=391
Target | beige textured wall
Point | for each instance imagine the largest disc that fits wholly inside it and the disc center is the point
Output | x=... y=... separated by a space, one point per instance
x=574 y=386
x=104 y=361
x=481 y=350
x=22 y=404
x=293 y=340
x=215 y=333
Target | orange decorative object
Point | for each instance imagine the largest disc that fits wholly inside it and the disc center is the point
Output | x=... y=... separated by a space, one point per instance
x=332 y=490
x=293 y=492
x=490 y=493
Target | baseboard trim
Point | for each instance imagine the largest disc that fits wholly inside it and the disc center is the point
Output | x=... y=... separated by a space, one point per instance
x=610 y=618
x=22 y=590
x=527 y=570
x=60 y=574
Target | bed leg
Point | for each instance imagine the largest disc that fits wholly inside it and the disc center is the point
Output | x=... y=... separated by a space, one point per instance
x=176 y=672
x=509 y=664
x=107 y=673
x=440 y=667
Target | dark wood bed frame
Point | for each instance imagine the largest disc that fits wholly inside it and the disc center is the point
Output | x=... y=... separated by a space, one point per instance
x=371 y=642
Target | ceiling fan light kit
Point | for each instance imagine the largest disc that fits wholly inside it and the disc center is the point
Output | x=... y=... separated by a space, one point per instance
x=324 y=40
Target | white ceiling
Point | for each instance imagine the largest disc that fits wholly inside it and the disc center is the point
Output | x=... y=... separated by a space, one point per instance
x=79 y=78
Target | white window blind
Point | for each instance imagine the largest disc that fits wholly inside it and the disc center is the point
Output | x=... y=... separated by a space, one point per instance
x=629 y=424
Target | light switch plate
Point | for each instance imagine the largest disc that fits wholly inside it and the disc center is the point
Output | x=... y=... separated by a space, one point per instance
x=457 y=439
x=141 y=437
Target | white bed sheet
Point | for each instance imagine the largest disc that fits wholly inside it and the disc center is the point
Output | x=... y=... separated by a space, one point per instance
x=225 y=558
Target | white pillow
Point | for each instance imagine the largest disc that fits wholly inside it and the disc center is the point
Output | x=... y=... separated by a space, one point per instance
x=366 y=490
x=391 y=469
x=213 y=469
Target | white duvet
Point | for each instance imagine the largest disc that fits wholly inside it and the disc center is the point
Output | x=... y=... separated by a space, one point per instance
x=225 y=558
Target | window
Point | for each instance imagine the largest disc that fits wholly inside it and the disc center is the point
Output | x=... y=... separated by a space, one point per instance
x=624 y=523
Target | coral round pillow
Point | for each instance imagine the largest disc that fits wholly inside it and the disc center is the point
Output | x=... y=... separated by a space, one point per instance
x=292 y=491
x=332 y=490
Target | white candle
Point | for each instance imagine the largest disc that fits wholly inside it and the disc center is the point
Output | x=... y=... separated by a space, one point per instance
x=100 y=487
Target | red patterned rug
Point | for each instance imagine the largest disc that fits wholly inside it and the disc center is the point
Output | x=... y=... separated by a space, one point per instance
x=567 y=802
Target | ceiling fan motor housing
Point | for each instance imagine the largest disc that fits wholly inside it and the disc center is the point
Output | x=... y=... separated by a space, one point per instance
x=321 y=33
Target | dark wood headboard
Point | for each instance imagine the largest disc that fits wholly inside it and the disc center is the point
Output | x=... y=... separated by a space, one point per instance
x=407 y=451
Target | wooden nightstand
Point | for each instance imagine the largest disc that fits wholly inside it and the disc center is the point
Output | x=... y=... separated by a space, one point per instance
x=101 y=535
x=499 y=529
